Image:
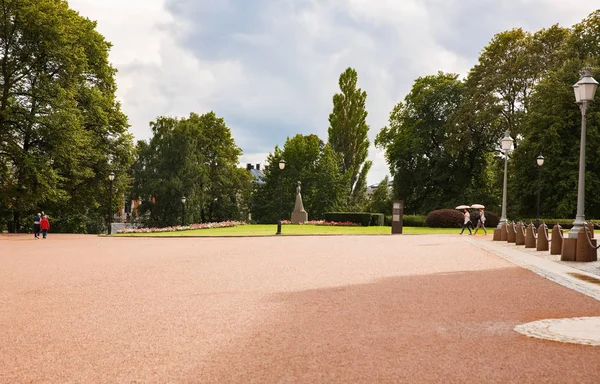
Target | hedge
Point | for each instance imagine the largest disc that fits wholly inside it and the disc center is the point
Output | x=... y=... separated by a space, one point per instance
x=407 y=220
x=445 y=218
x=363 y=218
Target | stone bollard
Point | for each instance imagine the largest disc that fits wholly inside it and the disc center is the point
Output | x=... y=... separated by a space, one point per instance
x=511 y=235
x=530 y=236
x=591 y=229
x=519 y=234
x=542 y=238
x=504 y=232
x=585 y=252
x=556 y=241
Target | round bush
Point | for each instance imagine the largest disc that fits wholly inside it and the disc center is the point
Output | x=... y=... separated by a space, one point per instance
x=445 y=218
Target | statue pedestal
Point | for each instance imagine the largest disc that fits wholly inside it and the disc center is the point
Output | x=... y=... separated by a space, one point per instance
x=299 y=217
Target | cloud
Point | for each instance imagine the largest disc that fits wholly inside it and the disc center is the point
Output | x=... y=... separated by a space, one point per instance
x=270 y=68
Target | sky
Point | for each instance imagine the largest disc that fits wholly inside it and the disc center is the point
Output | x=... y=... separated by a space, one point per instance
x=270 y=68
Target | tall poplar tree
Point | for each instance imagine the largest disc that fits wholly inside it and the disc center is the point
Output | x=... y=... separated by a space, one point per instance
x=348 y=131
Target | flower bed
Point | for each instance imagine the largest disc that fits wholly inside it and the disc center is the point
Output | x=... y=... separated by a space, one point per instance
x=324 y=222
x=222 y=224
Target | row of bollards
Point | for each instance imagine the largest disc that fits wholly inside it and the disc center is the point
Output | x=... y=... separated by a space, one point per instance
x=581 y=249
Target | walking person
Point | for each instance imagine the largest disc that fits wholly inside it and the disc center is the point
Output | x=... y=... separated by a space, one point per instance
x=44 y=225
x=36 y=226
x=467 y=223
x=481 y=221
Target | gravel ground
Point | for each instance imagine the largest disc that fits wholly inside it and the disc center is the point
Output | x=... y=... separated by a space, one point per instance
x=86 y=309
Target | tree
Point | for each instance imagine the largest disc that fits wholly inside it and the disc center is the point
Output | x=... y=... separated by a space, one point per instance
x=60 y=124
x=552 y=128
x=381 y=199
x=195 y=157
x=309 y=161
x=348 y=134
x=430 y=171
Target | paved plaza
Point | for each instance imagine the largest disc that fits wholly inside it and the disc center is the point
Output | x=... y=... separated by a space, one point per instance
x=330 y=309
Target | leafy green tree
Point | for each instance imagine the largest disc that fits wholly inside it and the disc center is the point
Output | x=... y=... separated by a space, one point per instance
x=309 y=161
x=60 y=124
x=195 y=157
x=552 y=128
x=381 y=199
x=429 y=170
x=348 y=131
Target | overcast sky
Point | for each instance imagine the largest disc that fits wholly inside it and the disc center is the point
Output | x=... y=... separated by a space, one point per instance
x=271 y=67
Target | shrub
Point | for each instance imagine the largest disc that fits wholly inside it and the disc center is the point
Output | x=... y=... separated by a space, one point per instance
x=445 y=218
x=407 y=220
x=414 y=220
x=361 y=218
x=376 y=219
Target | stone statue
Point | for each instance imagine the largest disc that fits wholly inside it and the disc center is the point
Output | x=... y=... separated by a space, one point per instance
x=299 y=215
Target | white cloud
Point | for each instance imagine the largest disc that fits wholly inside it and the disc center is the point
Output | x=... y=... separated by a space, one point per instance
x=271 y=68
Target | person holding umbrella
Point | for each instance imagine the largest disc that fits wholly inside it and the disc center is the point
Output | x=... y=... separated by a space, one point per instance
x=481 y=221
x=467 y=222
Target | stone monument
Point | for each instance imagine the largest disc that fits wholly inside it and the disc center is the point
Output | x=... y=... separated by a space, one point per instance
x=299 y=215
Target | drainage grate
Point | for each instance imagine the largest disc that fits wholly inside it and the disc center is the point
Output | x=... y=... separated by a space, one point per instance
x=586 y=278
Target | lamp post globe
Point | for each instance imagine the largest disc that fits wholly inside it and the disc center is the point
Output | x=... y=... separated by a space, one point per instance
x=584 y=91
x=506 y=144
x=540 y=160
x=281 y=168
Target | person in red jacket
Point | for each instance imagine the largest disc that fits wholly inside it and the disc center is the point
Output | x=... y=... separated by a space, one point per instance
x=44 y=226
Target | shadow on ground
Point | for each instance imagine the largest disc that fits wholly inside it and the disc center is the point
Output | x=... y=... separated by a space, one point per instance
x=450 y=327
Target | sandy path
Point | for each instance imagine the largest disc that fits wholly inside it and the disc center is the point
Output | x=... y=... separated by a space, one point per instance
x=291 y=309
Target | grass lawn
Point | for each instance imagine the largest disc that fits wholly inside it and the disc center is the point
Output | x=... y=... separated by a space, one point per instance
x=290 y=229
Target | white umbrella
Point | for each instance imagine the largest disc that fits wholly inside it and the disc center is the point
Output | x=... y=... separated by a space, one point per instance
x=462 y=207
x=477 y=206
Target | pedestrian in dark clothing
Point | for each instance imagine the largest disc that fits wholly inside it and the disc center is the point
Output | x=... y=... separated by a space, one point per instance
x=36 y=226
x=45 y=226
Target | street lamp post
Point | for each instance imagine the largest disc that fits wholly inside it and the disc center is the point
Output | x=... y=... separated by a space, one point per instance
x=183 y=216
x=506 y=144
x=281 y=167
x=585 y=90
x=540 y=162
x=111 y=177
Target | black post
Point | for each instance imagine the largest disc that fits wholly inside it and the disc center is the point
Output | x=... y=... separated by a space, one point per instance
x=280 y=203
x=538 y=196
x=110 y=207
x=183 y=216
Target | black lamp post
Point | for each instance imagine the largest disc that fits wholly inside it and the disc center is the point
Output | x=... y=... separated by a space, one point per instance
x=540 y=162
x=281 y=167
x=183 y=216
x=111 y=177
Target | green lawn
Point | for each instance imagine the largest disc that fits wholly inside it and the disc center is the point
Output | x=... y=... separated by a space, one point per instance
x=269 y=230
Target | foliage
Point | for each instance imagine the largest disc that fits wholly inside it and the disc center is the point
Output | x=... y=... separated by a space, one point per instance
x=381 y=199
x=61 y=127
x=377 y=219
x=362 y=218
x=195 y=157
x=428 y=172
x=445 y=218
x=348 y=136
x=309 y=161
